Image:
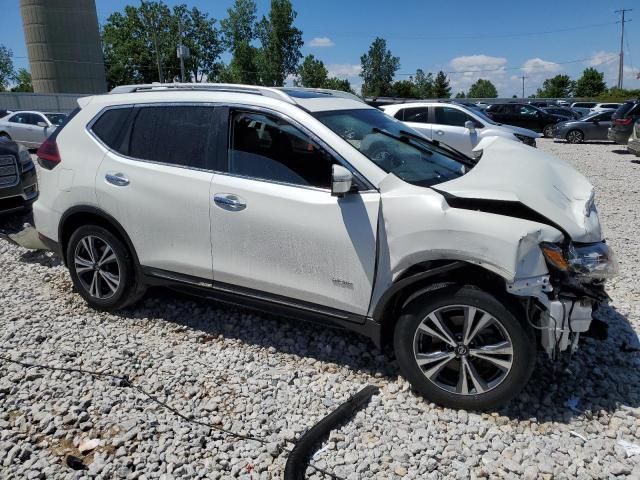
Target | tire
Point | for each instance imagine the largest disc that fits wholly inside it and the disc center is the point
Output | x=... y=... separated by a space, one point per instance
x=110 y=285
x=547 y=131
x=575 y=136
x=493 y=323
x=5 y=135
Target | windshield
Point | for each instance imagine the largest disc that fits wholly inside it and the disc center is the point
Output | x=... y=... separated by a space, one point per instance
x=394 y=147
x=56 y=118
x=484 y=117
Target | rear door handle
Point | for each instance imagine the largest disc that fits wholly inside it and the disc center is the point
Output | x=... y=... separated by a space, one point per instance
x=116 y=178
x=229 y=201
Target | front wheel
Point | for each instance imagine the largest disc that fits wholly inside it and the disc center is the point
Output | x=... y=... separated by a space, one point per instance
x=547 y=131
x=461 y=347
x=575 y=136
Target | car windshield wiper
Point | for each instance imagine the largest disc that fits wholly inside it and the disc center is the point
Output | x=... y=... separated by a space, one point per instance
x=401 y=138
x=456 y=153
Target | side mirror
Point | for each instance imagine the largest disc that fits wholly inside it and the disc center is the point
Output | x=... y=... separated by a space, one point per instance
x=469 y=125
x=341 y=180
x=42 y=124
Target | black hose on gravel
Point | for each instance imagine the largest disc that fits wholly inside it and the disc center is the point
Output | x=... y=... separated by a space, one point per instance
x=297 y=461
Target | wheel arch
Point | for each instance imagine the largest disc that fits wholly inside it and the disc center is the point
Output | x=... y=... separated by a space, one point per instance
x=428 y=276
x=84 y=215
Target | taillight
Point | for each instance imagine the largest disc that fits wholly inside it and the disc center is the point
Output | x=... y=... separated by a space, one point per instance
x=48 y=154
x=623 y=121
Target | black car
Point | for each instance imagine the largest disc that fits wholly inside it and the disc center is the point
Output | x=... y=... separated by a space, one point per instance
x=18 y=182
x=526 y=116
x=623 y=120
x=564 y=111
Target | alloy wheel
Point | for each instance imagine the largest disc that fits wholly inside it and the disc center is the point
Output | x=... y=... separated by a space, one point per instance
x=574 y=136
x=463 y=349
x=97 y=267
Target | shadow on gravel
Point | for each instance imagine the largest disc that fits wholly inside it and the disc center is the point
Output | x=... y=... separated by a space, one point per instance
x=635 y=161
x=12 y=223
x=621 y=151
x=40 y=257
x=588 y=142
x=600 y=375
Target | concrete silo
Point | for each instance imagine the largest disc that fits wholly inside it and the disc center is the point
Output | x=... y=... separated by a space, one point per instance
x=63 y=44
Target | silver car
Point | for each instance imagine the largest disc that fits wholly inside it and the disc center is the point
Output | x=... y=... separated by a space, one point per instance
x=30 y=128
x=591 y=127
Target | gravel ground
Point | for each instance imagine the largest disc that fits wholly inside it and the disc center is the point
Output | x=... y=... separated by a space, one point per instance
x=274 y=378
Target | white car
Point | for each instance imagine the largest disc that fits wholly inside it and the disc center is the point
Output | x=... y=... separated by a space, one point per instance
x=455 y=125
x=30 y=128
x=313 y=205
x=605 y=107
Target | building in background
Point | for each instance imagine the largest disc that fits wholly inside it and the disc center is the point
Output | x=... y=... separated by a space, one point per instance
x=63 y=45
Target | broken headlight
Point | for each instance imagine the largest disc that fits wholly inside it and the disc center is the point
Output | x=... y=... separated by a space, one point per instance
x=593 y=261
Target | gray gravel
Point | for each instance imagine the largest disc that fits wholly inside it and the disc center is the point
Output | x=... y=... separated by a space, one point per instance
x=274 y=378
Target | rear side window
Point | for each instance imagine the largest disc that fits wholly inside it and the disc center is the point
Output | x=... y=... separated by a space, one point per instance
x=452 y=116
x=111 y=127
x=173 y=134
x=584 y=105
x=416 y=114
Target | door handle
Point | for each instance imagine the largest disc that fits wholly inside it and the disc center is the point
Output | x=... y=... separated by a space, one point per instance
x=229 y=201
x=116 y=178
x=439 y=132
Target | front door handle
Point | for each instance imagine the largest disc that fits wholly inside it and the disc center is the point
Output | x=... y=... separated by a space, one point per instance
x=439 y=132
x=229 y=201
x=116 y=178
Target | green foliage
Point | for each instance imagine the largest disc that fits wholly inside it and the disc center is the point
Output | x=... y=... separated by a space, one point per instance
x=618 y=95
x=404 y=89
x=424 y=84
x=378 y=68
x=239 y=29
x=334 y=83
x=441 y=87
x=281 y=43
x=590 y=84
x=483 y=89
x=312 y=73
x=130 y=38
x=23 y=81
x=560 y=86
x=460 y=94
x=6 y=67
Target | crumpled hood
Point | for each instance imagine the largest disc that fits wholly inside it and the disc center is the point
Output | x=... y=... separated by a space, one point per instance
x=512 y=172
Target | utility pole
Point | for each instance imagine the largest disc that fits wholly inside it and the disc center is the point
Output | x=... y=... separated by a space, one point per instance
x=621 y=63
x=523 y=77
x=180 y=49
x=155 y=45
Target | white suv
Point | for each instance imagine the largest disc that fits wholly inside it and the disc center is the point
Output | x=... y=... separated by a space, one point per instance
x=311 y=204
x=459 y=127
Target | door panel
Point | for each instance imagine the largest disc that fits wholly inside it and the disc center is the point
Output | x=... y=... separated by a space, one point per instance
x=297 y=242
x=424 y=128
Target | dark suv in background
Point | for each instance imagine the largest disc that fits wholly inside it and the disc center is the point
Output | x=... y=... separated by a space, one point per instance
x=623 y=120
x=18 y=183
x=526 y=116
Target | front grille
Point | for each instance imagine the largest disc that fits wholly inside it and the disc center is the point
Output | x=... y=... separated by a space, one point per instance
x=9 y=175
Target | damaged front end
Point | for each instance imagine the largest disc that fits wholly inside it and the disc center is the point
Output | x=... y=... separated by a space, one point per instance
x=563 y=304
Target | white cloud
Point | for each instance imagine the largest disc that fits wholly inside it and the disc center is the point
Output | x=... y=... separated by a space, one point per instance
x=540 y=66
x=344 y=70
x=466 y=70
x=321 y=42
x=601 y=57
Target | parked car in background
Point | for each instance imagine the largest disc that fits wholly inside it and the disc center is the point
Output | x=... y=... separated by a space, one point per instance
x=540 y=104
x=311 y=204
x=583 y=107
x=525 y=116
x=456 y=125
x=623 y=119
x=30 y=128
x=18 y=183
x=563 y=111
x=592 y=127
x=603 y=107
x=634 y=140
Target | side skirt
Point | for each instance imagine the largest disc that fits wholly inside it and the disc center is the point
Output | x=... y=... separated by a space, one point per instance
x=265 y=302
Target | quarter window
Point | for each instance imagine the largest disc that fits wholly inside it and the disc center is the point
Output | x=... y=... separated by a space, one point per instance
x=268 y=148
x=111 y=127
x=177 y=135
x=416 y=114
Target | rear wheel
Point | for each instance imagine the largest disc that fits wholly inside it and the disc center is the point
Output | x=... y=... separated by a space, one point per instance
x=461 y=347
x=102 y=268
x=547 y=131
x=575 y=136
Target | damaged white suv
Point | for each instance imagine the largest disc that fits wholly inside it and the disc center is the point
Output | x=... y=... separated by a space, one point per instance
x=310 y=204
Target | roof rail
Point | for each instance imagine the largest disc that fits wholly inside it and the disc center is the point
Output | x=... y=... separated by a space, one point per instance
x=326 y=91
x=211 y=87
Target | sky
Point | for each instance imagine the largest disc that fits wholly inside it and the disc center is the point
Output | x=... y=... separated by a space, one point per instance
x=492 y=39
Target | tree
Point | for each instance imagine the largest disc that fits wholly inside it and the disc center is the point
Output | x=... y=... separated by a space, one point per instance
x=483 y=89
x=424 y=84
x=6 y=67
x=460 y=94
x=23 y=81
x=590 y=84
x=281 y=43
x=404 y=89
x=137 y=39
x=560 y=86
x=441 y=88
x=378 y=68
x=312 y=73
x=334 y=83
x=239 y=29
